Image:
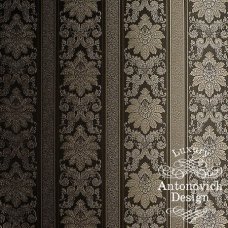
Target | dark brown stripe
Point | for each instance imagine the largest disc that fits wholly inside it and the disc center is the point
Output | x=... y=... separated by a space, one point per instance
x=20 y=113
x=207 y=101
x=145 y=75
x=48 y=112
x=80 y=114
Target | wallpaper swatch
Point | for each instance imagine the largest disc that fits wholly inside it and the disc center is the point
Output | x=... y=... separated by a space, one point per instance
x=110 y=111
x=80 y=113
x=19 y=114
x=145 y=107
x=207 y=100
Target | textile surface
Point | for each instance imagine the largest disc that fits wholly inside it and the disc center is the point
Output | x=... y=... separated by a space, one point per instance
x=99 y=99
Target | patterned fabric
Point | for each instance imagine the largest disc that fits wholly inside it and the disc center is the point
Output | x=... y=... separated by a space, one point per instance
x=19 y=113
x=80 y=86
x=95 y=95
x=207 y=100
x=145 y=106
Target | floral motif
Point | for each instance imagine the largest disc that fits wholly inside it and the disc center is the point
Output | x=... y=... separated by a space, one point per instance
x=146 y=217
x=209 y=75
x=16 y=186
x=214 y=147
x=80 y=108
x=80 y=75
x=144 y=105
x=139 y=5
x=80 y=149
x=145 y=112
x=80 y=8
x=17 y=37
x=16 y=111
x=145 y=38
x=212 y=218
x=19 y=113
x=143 y=187
x=209 y=8
x=78 y=183
x=80 y=217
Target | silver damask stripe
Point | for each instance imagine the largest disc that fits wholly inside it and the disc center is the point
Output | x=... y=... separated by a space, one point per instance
x=207 y=103
x=80 y=145
x=112 y=113
x=146 y=105
x=48 y=112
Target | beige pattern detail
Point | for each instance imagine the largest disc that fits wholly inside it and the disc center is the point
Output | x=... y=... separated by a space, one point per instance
x=143 y=187
x=209 y=75
x=80 y=217
x=145 y=38
x=17 y=37
x=214 y=147
x=145 y=112
x=80 y=149
x=212 y=218
x=209 y=8
x=80 y=74
x=80 y=8
x=16 y=111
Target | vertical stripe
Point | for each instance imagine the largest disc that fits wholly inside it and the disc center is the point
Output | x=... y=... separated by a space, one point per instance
x=145 y=116
x=81 y=113
x=207 y=103
x=177 y=95
x=112 y=114
x=48 y=112
x=20 y=91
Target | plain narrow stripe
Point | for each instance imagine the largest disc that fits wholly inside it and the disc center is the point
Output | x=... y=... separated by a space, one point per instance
x=48 y=112
x=177 y=92
x=112 y=113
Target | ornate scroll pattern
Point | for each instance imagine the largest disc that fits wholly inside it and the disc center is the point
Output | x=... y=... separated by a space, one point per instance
x=208 y=97
x=80 y=108
x=19 y=127
x=145 y=104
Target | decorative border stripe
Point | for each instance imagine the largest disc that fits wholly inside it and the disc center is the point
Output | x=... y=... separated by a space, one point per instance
x=20 y=111
x=48 y=202
x=177 y=112
x=113 y=174
x=81 y=113
x=145 y=103
x=207 y=101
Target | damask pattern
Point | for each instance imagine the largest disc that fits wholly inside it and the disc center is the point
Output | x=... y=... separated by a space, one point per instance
x=19 y=112
x=207 y=100
x=80 y=108
x=145 y=107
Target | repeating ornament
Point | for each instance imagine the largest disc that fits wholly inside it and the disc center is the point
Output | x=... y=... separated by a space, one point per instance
x=145 y=38
x=207 y=102
x=80 y=75
x=19 y=111
x=80 y=111
x=143 y=187
x=81 y=9
x=209 y=75
x=209 y=9
x=145 y=104
x=212 y=218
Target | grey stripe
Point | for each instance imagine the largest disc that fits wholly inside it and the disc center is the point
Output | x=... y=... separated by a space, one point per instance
x=48 y=112
x=177 y=92
x=112 y=114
